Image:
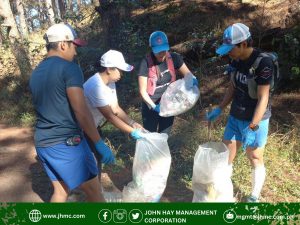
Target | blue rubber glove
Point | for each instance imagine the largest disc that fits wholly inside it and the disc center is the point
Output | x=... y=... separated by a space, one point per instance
x=136 y=134
x=195 y=81
x=229 y=69
x=248 y=137
x=214 y=114
x=157 y=108
x=106 y=153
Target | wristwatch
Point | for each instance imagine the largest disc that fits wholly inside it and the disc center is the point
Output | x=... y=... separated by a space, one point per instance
x=253 y=126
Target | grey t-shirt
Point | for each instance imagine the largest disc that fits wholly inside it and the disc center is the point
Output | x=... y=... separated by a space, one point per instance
x=165 y=76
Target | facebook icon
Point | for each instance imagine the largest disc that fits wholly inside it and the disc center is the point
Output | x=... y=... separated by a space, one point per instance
x=105 y=215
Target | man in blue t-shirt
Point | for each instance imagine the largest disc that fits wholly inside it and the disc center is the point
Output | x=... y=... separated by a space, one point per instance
x=56 y=85
x=248 y=122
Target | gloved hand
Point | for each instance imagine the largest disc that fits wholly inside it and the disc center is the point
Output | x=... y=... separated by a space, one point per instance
x=195 y=81
x=106 y=153
x=190 y=81
x=229 y=69
x=136 y=134
x=248 y=137
x=214 y=114
x=157 y=108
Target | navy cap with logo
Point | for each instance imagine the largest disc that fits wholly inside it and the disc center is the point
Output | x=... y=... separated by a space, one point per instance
x=158 y=41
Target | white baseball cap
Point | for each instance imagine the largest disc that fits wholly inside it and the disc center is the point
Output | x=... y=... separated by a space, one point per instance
x=63 y=32
x=234 y=34
x=114 y=58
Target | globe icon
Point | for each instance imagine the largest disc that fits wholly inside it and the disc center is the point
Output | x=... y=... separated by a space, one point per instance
x=35 y=215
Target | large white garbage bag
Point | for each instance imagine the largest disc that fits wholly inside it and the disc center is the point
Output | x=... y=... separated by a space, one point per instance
x=179 y=97
x=151 y=166
x=211 y=181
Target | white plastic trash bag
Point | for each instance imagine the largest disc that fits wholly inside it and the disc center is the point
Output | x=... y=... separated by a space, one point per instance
x=151 y=166
x=112 y=196
x=179 y=97
x=211 y=181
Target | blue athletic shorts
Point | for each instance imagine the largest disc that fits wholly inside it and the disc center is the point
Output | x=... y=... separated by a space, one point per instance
x=235 y=127
x=73 y=165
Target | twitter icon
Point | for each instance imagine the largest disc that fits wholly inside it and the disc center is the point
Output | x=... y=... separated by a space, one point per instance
x=135 y=216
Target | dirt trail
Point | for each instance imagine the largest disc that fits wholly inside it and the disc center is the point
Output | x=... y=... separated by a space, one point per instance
x=23 y=179
x=19 y=169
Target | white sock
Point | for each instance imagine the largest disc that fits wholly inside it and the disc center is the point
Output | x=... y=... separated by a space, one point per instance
x=258 y=179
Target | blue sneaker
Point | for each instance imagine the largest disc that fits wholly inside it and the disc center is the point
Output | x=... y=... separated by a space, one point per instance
x=252 y=198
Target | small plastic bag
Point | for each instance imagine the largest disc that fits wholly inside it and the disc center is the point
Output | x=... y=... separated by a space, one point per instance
x=151 y=166
x=179 y=97
x=211 y=181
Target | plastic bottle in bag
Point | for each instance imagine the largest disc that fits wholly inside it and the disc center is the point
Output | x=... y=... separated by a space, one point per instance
x=178 y=98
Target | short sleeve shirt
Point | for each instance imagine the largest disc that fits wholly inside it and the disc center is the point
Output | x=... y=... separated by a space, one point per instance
x=99 y=94
x=49 y=81
x=243 y=106
x=164 y=78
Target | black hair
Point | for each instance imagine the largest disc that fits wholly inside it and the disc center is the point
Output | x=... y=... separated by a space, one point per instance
x=98 y=66
x=249 y=42
x=101 y=69
x=51 y=45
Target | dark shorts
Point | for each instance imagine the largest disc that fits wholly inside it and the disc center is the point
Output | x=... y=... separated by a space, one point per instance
x=153 y=122
x=73 y=165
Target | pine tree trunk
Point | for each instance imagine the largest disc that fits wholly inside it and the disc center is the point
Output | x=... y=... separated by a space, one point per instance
x=78 y=5
x=1 y=38
x=23 y=24
x=62 y=9
x=9 y=21
x=112 y=14
x=16 y=44
x=69 y=4
x=40 y=11
x=55 y=9
x=50 y=11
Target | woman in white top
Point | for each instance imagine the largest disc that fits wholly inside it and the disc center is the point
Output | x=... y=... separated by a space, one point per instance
x=101 y=96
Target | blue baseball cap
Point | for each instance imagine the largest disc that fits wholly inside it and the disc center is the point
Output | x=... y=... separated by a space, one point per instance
x=234 y=34
x=158 y=41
